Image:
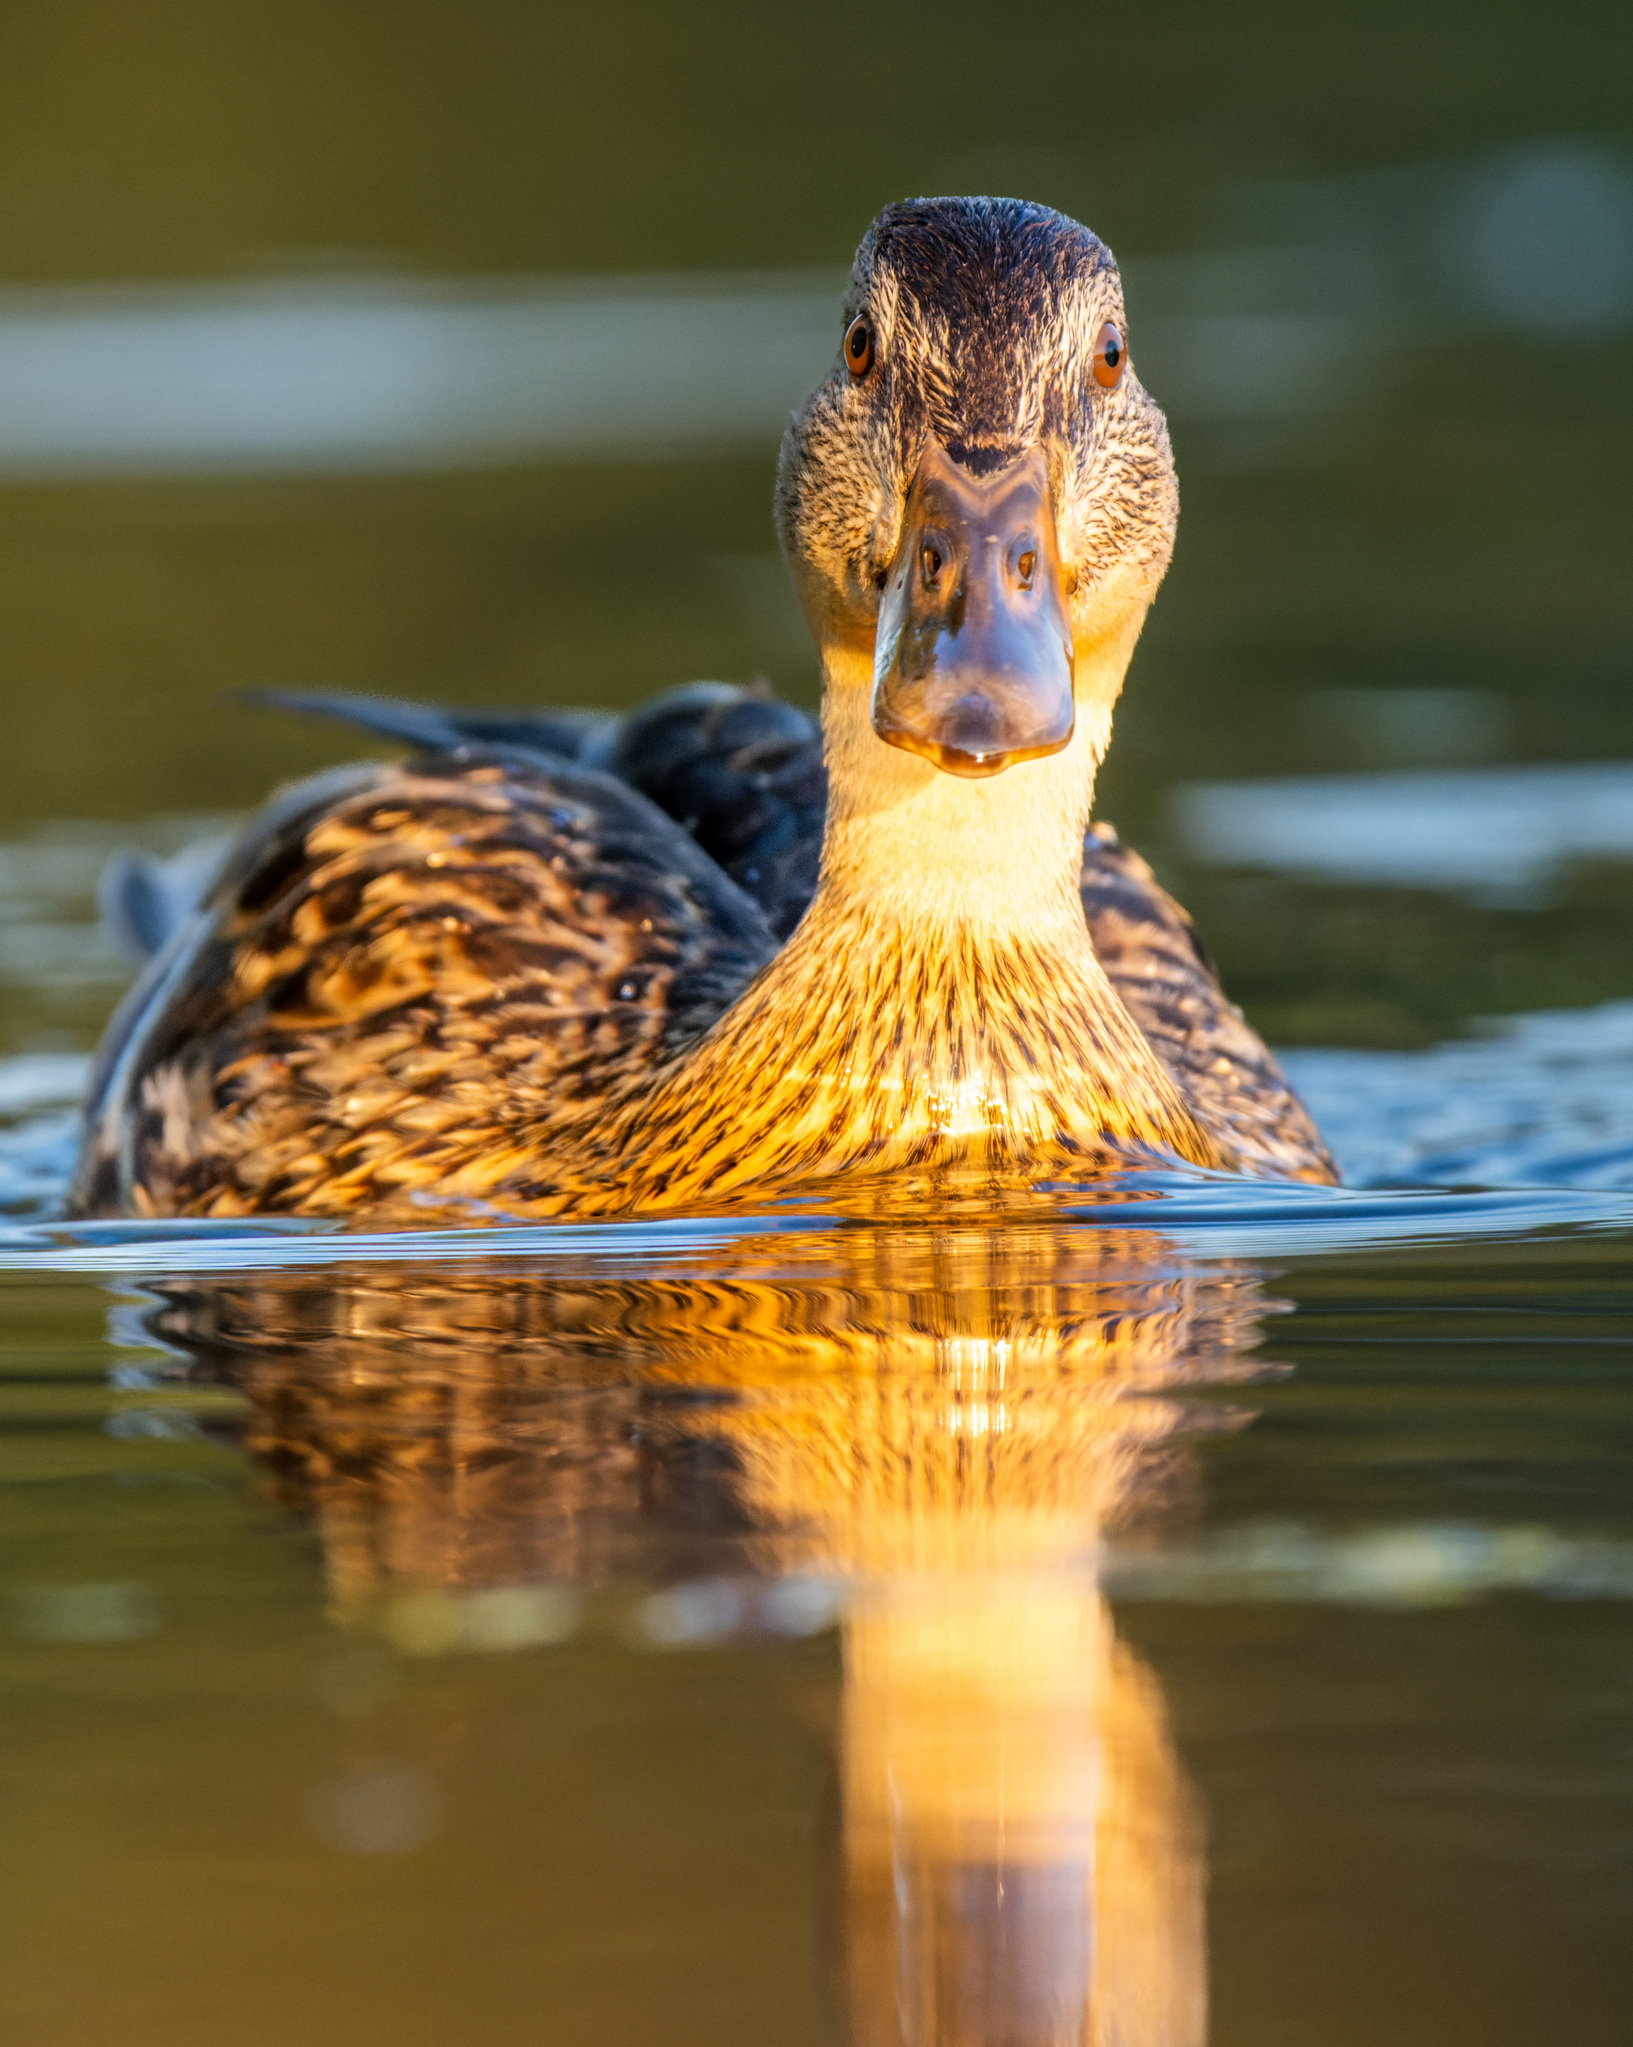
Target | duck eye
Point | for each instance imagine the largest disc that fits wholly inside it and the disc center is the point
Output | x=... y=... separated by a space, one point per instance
x=1025 y=567
x=930 y=561
x=859 y=346
x=1110 y=354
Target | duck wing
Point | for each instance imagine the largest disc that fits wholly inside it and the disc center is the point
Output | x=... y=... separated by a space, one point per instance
x=1157 y=963
x=405 y=981
x=739 y=770
x=743 y=773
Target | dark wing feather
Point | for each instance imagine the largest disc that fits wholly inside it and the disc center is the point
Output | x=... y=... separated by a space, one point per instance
x=404 y=976
x=743 y=773
x=582 y=736
x=738 y=769
x=1150 y=949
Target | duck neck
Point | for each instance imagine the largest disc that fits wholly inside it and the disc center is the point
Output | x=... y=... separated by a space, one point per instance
x=925 y=855
x=939 y=1005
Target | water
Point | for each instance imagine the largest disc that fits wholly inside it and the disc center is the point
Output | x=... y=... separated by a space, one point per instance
x=1125 y=1624
x=948 y=1634
x=1502 y=833
x=1202 y=1613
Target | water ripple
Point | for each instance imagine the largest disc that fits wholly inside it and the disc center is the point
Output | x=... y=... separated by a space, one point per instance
x=1528 y=1127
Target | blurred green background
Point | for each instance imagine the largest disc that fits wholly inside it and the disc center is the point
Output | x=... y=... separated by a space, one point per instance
x=1399 y=390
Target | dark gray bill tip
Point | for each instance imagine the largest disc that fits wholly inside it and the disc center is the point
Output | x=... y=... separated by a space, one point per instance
x=976 y=739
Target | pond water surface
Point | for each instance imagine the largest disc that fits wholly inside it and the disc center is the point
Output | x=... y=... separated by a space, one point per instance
x=1194 y=1611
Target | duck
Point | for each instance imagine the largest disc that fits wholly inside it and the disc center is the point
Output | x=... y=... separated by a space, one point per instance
x=704 y=957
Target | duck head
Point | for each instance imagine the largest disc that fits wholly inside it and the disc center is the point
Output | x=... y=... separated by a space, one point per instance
x=979 y=502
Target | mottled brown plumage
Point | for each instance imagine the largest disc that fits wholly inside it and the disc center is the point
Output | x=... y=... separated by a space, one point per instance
x=499 y=981
x=1151 y=952
x=405 y=986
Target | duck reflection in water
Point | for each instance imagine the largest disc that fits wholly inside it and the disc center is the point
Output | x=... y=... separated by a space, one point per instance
x=948 y=1422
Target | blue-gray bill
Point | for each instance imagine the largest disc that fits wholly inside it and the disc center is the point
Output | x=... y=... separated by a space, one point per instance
x=974 y=661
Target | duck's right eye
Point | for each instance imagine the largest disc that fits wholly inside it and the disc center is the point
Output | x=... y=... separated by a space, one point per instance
x=859 y=346
x=1110 y=353
x=930 y=561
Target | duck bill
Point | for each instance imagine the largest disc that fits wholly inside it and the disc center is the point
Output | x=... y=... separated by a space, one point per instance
x=973 y=660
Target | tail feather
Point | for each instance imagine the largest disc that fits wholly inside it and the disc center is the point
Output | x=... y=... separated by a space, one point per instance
x=573 y=735
x=145 y=900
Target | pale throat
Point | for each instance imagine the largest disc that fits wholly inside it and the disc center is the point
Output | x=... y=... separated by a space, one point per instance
x=935 y=857
x=943 y=984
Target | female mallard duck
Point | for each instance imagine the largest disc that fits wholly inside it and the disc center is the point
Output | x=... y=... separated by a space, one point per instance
x=538 y=969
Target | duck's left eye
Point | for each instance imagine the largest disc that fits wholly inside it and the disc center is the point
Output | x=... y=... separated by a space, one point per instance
x=859 y=346
x=1110 y=354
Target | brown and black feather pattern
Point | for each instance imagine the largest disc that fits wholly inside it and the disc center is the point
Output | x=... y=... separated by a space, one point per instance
x=409 y=982
x=1151 y=952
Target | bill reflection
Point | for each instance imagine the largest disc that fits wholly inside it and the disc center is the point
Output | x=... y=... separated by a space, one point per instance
x=1022 y=1858
x=945 y=1424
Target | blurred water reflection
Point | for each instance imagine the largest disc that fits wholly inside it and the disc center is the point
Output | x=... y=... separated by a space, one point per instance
x=945 y=1422
x=1501 y=834
x=386 y=374
x=596 y=1536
